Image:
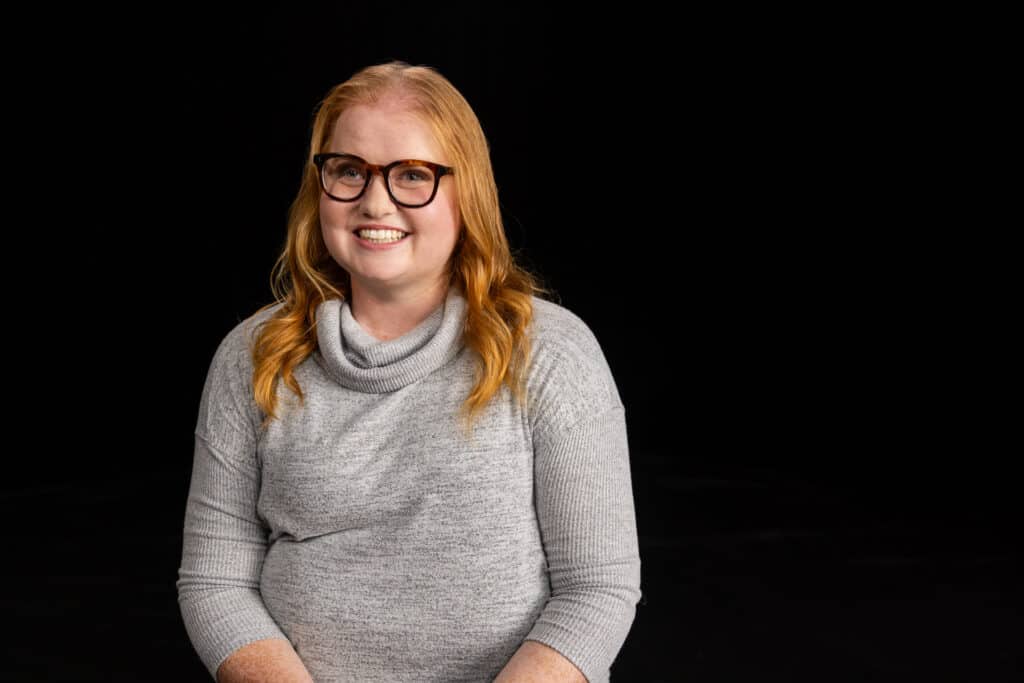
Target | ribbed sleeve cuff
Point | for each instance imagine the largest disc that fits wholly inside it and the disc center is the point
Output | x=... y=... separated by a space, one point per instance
x=222 y=620
x=583 y=633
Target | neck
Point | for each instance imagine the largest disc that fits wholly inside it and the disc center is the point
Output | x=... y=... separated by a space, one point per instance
x=388 y=315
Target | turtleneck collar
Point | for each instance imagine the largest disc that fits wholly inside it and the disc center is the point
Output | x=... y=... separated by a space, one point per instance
x=356 y=359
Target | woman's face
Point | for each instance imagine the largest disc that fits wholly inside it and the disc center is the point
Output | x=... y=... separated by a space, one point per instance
x=380 y=135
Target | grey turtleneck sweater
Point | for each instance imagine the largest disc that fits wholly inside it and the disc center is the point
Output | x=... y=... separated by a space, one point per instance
x=367 y=530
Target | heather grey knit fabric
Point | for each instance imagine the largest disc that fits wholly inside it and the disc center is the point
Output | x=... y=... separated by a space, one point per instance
x=385 y=545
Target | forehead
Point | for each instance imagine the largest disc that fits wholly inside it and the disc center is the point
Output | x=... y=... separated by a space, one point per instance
x=382 y=134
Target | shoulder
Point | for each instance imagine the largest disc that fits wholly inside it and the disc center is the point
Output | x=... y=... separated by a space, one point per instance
x=569 y=376
x=560 y=331
x=553 y=318
x=228 y=414
x=236 y=344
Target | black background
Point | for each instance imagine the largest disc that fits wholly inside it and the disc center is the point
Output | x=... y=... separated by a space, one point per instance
x=823 y=487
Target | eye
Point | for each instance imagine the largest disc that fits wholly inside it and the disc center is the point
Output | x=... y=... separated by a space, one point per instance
x=345 y=171
x=348 y=170
x=412 y=175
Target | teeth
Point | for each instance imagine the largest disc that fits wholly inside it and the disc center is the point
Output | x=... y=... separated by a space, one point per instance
x=381 y=234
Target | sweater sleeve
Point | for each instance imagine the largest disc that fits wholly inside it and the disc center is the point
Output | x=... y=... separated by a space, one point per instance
x=584 y=503
x=224 y=540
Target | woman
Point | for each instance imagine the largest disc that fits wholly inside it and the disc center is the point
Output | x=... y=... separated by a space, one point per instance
x=445 y=493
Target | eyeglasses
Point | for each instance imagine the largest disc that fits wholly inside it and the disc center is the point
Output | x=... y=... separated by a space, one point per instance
x=410 y=182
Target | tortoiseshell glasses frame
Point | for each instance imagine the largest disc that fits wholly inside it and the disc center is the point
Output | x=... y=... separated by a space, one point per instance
x=439 y=171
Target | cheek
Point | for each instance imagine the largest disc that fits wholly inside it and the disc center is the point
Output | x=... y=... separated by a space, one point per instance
x=332 y=213
x=447 y=215
x=453 y=209
x=444 y=224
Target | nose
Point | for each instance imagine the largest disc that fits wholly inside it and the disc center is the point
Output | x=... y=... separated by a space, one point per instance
x=376 y=199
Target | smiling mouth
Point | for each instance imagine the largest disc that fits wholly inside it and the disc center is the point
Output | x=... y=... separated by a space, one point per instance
x=381 y=236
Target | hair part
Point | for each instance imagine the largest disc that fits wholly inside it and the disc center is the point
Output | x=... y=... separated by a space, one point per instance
x=498 y=290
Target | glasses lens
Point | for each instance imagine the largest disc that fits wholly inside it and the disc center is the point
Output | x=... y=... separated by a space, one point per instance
x=344 y=178
x=412 y=183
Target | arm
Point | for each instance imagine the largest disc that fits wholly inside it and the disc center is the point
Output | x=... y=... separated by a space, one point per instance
x=218 y=589
x=535 y=661
x=272 y=659
x=224 y=540
x=584 y=503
